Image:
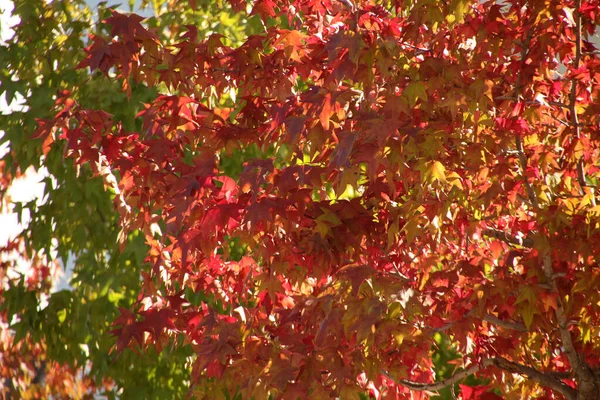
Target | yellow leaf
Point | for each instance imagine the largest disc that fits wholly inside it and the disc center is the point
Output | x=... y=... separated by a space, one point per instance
x=586 y=333
x=459 y=9
x=411 y=228
x=323 y=228
x=527 y=311
x=595 y=210
x=526 y=294
x=346 y=188
x=394 y=309
x=454 y=179
x=424 y=279
x=399 y=338
x=392 y=233
x=435 y=172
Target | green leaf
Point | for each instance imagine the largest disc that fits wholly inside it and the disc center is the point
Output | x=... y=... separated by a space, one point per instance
x=415 y=91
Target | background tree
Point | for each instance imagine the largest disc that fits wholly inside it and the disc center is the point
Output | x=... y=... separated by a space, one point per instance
x=64 y=336
x=322 y=201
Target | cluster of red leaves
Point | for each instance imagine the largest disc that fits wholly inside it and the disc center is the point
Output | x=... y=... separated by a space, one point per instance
x=433 y=172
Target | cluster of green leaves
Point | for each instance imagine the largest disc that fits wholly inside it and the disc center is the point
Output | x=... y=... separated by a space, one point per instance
x=76 y=220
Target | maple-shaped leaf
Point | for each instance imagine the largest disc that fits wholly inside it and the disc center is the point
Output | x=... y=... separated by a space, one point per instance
x=127 y=329
x=129 y=27
x=98 y=55
x=357 y=274
x=264 y=8
x=221 y=218
x=435 y=172
x=45 y=131
x=157 y=320
x=343 y=150
x=292 y=43
x=327 y=109
x=415 y=91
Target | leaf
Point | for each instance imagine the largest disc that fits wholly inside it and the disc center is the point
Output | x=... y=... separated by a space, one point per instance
x=293 y=44
x=265 y=8
x=357 y=274
x=454 y=180
x=156 y=321
x=435 y=172
x=568 y=12
x=341 y=155
x=326 y=110
x=527 y=300
x=415 y=91
x=321 y=200
x=497 y=249
x=473 y=392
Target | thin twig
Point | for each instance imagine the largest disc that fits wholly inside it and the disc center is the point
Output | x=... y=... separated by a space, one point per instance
x=508 y=238
x=529 y=102
x=519 y=138
x=446 y=382
x=573 y=95
x=515 y=326
x=554 y=117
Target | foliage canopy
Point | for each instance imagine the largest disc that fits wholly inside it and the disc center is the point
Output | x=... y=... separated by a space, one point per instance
x=322 y=201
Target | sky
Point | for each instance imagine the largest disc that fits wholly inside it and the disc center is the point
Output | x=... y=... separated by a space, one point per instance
x=148 y=12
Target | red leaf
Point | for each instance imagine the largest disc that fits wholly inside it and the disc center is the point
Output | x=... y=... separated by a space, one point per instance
x=343 y=150
x=472 y=392
x=264 y=8
x=327 y=109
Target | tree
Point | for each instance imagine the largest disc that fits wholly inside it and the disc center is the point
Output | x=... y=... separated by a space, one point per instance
x=352 y=181
x=57 y=343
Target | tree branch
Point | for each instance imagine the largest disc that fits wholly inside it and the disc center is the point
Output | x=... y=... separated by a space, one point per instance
x=573 y=94
x=515 y=326
x=508 y=238
x=552 y=103
x=543 y=378
x=446 y=382
x=519 y=139
x=584 y=375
